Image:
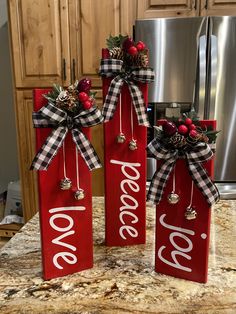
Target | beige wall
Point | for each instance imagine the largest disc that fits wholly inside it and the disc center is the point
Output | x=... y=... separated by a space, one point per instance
x=8 y=150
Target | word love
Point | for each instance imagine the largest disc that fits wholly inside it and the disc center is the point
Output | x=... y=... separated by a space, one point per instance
x=128 y=186
x=63 y=223
x=184 y=252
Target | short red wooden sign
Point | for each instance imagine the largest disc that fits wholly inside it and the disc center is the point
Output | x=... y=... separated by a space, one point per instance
x=182 y=246
x=65 y=223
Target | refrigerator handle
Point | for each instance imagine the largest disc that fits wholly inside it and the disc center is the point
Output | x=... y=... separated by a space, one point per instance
x=213 y=76
x=202 y=75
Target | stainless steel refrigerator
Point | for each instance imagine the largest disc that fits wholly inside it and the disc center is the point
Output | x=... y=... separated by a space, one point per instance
x=195 y=64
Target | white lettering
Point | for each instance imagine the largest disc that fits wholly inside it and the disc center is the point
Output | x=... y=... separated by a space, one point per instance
x=64 y=255
x=130 y=230
x=66 y=231
x=179 y=251
x=129 y=202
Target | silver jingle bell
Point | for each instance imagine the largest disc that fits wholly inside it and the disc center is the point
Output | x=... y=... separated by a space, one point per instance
x=133 y=145
x=120 y=138
x=65 y=184
x=79 y=195
x=190 y=213
x=173 y=198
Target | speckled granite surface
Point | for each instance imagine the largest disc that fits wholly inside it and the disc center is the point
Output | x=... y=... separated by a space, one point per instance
x=123 y=279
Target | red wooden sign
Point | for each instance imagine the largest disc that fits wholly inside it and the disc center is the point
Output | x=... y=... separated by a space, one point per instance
x=125 y=174
x=182 y=246
x=66 y=223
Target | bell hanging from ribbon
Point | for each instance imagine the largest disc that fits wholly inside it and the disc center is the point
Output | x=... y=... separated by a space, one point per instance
x=120 y=138
x=173 y=198
x=190 y=213
x=133 y=145
x=65 y=184
x=79 y=194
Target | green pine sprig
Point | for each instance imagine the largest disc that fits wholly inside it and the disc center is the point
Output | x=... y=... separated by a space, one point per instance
x=115 y=41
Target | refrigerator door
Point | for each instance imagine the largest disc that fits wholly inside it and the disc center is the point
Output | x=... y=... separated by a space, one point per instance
x=222 y=95
x=173 y=53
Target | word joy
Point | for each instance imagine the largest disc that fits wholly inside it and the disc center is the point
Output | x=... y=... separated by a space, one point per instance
x=177 y=232
x=129 y=203
x=67 y=255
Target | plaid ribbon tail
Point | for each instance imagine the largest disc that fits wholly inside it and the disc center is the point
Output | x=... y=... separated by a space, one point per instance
x=159 y=181
x=204 y=182
x=86 y=150
x=49 y=149
x=112 y=96
x=139 y=104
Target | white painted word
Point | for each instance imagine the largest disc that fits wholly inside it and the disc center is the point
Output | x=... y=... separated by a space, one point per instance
x=178 y=232
x=129 y=203
x=68 y=257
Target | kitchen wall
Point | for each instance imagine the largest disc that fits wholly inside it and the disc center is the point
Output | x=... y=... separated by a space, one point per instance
x=8 y=147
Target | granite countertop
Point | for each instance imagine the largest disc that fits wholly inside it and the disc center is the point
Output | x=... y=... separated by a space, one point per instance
x=123 y=279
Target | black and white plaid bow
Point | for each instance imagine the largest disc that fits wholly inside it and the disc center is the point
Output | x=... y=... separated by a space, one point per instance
x=114 y=67
x=199 y=153
x=61 y=122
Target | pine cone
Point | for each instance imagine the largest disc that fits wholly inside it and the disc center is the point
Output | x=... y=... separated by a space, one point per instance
x=177 y=140
x=116 y=53
x=141 y=60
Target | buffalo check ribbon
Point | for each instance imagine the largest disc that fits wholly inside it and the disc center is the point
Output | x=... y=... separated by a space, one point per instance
x=114 y=67
x=201 y=152
x=51 y=116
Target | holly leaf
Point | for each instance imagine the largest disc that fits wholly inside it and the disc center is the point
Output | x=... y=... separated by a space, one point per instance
x=115 y=41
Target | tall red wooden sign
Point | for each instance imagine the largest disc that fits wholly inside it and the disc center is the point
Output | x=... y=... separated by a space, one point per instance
x=182 y=246
x=65 y=223
x=125 y=174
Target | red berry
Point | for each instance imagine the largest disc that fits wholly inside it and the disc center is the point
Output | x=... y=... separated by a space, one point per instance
x=192 y=127
x=83 y=96
x=140 y=46
x=84 y=85
x=132 y=51
x=169 y=128
x=193 y=133
x=87 y=104
x=127 y=43
x=188 y=121
x=183 y=129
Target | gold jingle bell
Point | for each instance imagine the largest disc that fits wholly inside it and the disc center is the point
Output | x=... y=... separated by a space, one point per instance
x=133 y=145
x=120 y=138
x=79 y=194
x=65 y=184
x=173 y=198
x=190 y=213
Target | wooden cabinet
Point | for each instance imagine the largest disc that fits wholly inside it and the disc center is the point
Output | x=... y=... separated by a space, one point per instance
x=40 y=42
x=218 y=7
x=167 y=8
x=26 y=151
x=59 y=41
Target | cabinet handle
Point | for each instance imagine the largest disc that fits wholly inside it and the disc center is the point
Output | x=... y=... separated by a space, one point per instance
x=64 y=69
x=73 y=70
x=206 y=4
x=194 y=5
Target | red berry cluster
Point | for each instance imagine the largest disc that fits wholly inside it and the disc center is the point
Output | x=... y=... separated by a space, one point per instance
x=131 y=48
x=84 y=87
x=186 y=128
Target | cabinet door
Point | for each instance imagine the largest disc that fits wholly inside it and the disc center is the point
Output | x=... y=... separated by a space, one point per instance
x=218 y=7
x=26 y=152
x=91 y=23
x=167 y=8
x=40 y=42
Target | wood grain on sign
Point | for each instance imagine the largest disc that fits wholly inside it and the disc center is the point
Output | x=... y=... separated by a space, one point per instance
x=182 y=246
x=125 y=175
x=66 y=224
